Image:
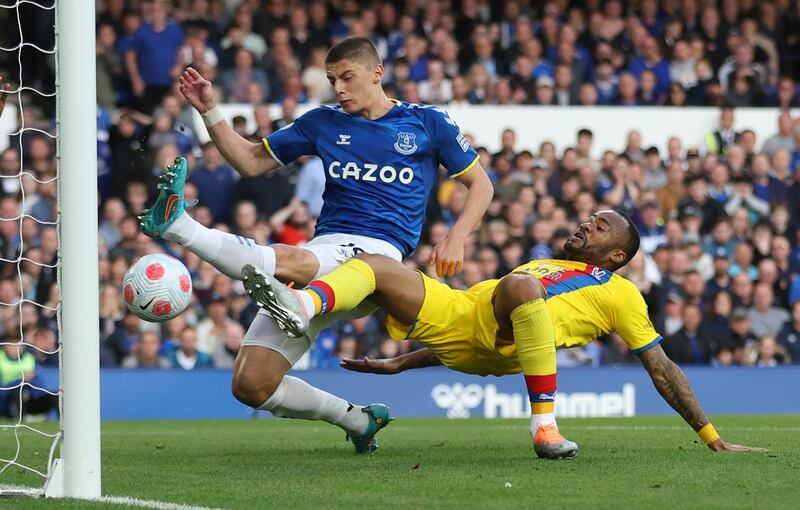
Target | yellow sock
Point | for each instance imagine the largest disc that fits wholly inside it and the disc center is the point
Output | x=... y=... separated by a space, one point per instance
x=535 y=340
x=344 y=288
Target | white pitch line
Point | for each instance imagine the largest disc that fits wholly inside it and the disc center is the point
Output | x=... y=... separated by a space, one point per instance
x=148 y=503
x=658 y=427
x=19 y=490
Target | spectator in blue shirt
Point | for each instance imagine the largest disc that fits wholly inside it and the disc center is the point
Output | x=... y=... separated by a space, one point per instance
x=605 y=82
x=789 y=335
x=651 y=226
x=765 y=186
x=311 y=184
x=794 y=291
x=215 y=181
x=415 y=48
x=323 y=352
x=651 y=59
x=154 y=59
x=186 y=356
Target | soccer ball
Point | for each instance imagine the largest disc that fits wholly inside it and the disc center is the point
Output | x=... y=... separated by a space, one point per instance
x=157 y=288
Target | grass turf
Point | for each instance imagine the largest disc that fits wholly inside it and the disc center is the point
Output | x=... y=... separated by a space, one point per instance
x=434 y=463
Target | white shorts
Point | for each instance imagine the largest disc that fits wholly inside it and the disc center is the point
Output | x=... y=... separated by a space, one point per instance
x=332 y=251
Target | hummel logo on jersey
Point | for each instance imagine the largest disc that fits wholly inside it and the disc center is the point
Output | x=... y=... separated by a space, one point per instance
x=343 y=140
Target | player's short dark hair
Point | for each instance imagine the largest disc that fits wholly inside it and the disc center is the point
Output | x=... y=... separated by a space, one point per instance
x=585 y=132
x=357 y=49
x=631 y=246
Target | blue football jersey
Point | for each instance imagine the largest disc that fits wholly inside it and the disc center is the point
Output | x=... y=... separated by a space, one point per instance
x=378 y=173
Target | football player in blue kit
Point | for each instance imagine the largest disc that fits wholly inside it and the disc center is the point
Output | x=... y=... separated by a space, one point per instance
x=381 y=159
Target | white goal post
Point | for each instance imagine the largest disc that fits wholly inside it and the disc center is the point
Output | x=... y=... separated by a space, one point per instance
x=77 y=474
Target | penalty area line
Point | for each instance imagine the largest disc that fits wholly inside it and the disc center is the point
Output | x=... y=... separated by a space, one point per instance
x=149 y=503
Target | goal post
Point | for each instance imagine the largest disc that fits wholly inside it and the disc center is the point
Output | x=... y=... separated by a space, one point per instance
x=80 y=342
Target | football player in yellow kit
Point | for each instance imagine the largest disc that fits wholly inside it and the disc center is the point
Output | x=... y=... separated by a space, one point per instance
x=505 y=326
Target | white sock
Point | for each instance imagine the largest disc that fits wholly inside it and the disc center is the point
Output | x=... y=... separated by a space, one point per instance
x=543 y=419
x=308 y=302
x=295 y=398
x=227 y=252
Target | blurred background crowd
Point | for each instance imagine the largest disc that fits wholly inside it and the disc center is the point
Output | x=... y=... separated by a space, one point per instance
x=720 y=254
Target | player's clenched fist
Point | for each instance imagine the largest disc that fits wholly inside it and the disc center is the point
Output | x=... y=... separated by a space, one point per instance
x=197 y=90
x=448 y=256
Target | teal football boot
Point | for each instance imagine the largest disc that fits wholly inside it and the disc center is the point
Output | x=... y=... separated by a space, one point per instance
x=170 y=202
x=379 y=417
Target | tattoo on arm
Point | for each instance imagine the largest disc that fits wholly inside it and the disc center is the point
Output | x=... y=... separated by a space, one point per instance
x=416 y=359
x=671 y=383
x=431 y=360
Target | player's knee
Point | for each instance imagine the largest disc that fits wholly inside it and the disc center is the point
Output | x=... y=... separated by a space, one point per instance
x=517 y=289
x=254 y=389
x=295 y=264
x=292 y=256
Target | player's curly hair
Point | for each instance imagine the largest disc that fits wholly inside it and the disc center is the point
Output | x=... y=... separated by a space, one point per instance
x=358 y=49
x=632 y=244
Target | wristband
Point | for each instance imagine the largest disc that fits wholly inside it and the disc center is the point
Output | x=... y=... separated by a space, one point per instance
x=212 y=116
x=708 y=433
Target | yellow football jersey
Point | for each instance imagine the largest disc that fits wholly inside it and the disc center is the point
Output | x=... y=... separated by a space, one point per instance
x=584 y=302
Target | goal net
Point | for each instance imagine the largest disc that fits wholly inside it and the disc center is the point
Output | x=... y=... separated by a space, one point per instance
x=49 y=418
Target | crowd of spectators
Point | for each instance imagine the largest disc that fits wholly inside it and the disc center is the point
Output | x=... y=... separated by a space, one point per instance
x=719 y=218
x=646 y=52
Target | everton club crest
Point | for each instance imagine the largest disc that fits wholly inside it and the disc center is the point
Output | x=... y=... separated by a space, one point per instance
x=406 y=143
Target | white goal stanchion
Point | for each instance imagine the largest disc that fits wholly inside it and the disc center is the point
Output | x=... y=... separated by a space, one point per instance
x=77 y=154
x=76 y=473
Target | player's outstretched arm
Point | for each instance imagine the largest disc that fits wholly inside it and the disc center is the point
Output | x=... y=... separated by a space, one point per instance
x=671 y=383
x=246 y=157
x=417 y=359
x=449 y=254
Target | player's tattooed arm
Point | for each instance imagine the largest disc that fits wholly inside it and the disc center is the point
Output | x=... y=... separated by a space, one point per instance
x=671 y=383
x=417 y=359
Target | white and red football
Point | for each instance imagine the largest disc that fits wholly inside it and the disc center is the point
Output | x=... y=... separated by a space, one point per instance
x=157 y=287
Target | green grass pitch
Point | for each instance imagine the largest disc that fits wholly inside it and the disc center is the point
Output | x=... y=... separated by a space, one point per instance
x=436 y=463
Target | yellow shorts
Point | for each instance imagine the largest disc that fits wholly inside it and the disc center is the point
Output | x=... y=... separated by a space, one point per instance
x=459 y=326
